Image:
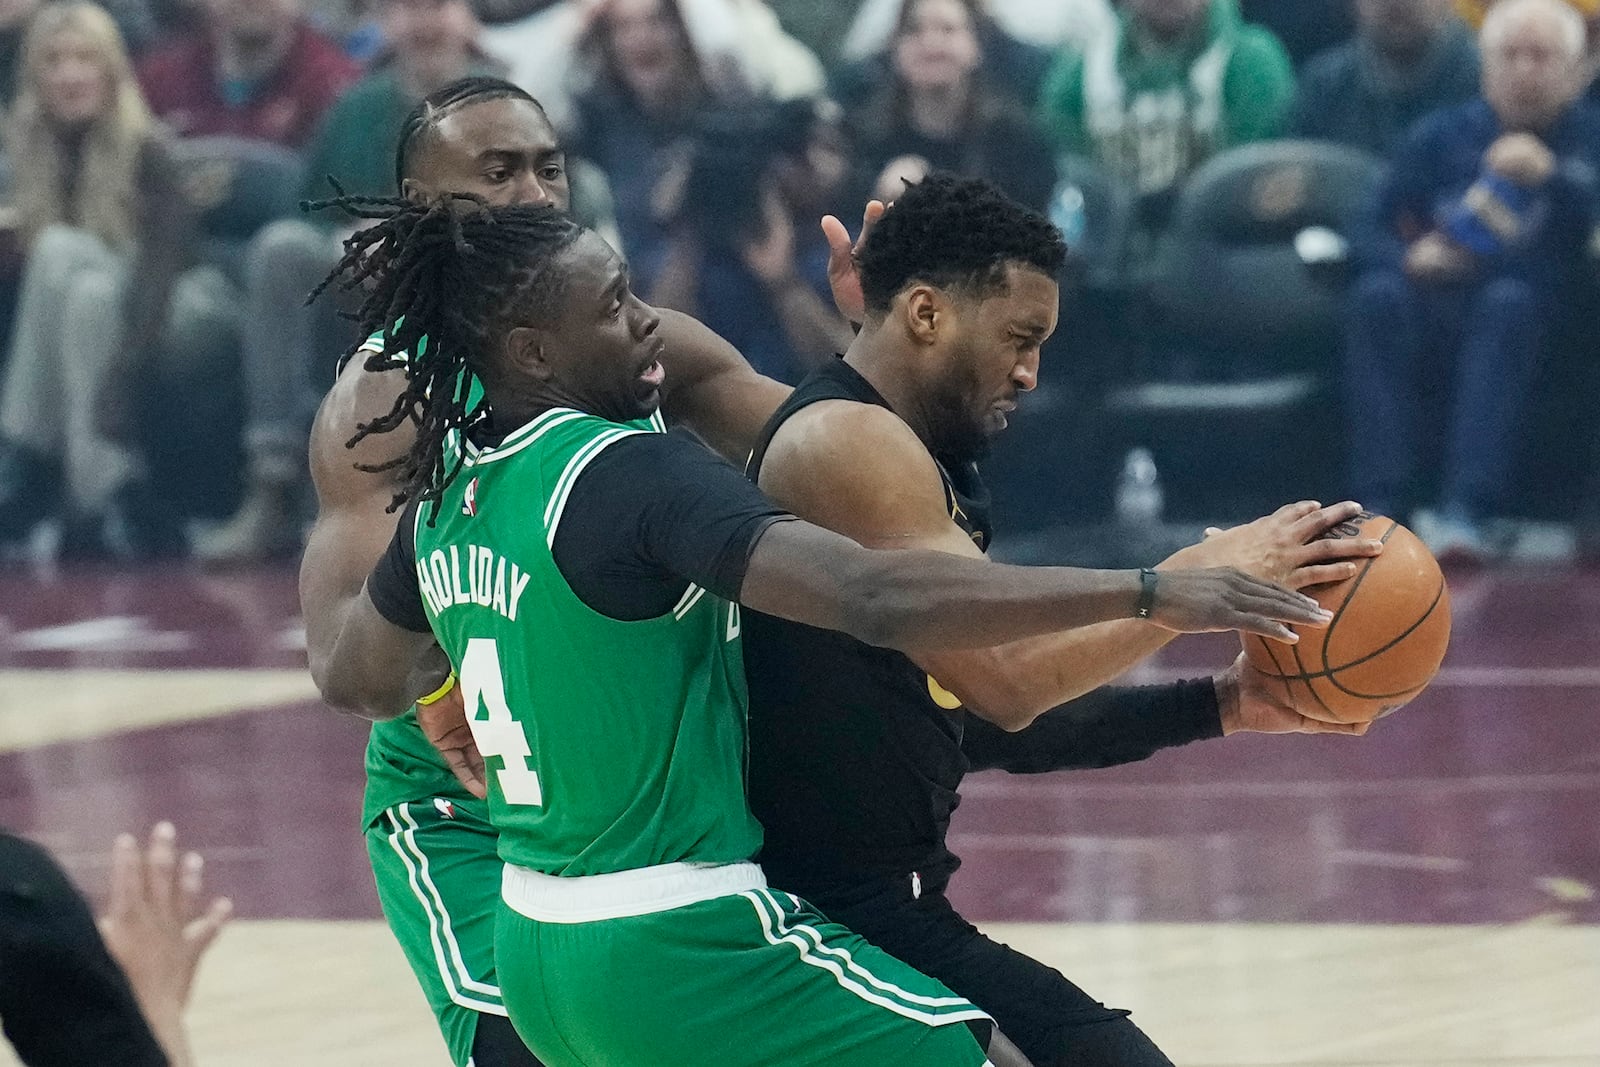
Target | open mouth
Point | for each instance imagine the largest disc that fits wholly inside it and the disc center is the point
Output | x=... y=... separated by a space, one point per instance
x=653 y=375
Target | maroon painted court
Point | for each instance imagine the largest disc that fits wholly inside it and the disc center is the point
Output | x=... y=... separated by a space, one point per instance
x=1478 y=803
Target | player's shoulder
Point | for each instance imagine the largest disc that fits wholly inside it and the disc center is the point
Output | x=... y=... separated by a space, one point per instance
x=848 y=429
x=358 y=397
x=849 y=451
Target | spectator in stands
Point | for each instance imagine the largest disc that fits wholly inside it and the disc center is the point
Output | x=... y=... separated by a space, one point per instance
x=939 y=111
x=1179 y=81
x=14 y=16
x=108 y=301
x=287 y=348
x=746 y=256
x=1409 y=58
x=820 y=27
x=644 y=81
x=1303 y=27
x=1476 y=239
x=256 y=69
x=1014 y=64
x=740 y=46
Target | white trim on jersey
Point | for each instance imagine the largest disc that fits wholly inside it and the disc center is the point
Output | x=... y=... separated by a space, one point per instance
x=521 y=437
x=575 y=466
x=404 y=843
x=691 y=597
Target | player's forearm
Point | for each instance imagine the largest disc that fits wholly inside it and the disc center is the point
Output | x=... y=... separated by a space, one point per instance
x=328 y=594
x=376 y=670
x=1015 y=683
x=1105 y=728
x=923 y=600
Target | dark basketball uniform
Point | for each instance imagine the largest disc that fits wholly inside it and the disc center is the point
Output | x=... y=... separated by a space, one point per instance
x=856 y=760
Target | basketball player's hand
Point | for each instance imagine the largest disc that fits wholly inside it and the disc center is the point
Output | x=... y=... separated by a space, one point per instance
x=1248 y=705
x=1289 y=547
x=1223 y=598
x=844 y=276
x=445 y=724
x=158 y=925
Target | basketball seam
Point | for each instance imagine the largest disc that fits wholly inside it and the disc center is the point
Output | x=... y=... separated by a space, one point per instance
x=1303 y=677
x=1437 y=597
x=1331 y=671
x=1355 y=587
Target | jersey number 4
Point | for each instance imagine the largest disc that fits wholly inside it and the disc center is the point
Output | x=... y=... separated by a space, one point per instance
x=498 y=734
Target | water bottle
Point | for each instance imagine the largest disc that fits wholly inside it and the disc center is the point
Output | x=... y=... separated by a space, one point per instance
x=1139 y=498
x=1067 y=212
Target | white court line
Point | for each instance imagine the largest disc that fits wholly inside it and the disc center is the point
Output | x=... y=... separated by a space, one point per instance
x=1079 y=789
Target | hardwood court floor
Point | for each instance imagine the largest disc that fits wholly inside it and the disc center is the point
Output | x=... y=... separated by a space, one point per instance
x=1428 y=896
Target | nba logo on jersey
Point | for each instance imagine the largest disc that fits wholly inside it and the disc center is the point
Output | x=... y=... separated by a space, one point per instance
x=469 y=499
x=447 y=809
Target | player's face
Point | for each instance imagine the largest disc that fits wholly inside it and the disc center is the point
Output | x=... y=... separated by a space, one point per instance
x=502 y=150
x=605 y=347
x=993 y=360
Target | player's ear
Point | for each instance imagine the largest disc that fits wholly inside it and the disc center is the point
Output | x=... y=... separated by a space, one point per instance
x=413 y=190
x=924 y=308
x=525 y=349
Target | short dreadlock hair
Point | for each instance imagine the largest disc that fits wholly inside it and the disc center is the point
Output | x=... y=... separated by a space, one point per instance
x=444 y=281
x=955 y=233
x=434 y=108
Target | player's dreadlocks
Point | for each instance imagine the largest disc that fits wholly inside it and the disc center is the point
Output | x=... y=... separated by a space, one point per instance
x=443 y=280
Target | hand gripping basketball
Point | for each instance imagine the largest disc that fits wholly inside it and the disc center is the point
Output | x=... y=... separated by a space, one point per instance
x=1222 y=598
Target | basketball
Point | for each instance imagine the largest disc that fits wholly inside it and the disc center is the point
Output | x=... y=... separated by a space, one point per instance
x=1390 y=629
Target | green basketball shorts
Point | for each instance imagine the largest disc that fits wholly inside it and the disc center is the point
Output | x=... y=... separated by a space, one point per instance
x=438 y=876
x=692 y=965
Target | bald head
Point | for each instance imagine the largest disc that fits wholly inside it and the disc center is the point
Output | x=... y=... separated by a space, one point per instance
x=1509 y=18
x=1533 y=61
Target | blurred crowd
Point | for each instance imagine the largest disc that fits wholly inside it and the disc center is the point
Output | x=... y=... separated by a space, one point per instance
x=1331 y=246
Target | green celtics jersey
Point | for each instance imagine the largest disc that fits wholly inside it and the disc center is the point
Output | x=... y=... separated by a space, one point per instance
x=609 y=745
x=402 y=764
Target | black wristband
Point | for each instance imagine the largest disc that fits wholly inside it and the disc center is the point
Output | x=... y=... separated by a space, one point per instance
x=1147 y=594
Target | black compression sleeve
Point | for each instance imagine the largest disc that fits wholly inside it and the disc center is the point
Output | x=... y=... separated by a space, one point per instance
x=652 y=513
x=64 y=1001
x=392 y=585
x=1104 y=728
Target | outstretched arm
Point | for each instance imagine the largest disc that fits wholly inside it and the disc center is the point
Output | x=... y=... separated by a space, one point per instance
x=712 y=390
x=859 y=470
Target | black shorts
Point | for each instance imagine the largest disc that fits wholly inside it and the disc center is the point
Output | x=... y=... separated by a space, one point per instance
x=1051 y=1020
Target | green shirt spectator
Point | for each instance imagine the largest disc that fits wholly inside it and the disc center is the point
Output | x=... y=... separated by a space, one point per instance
x=1178 y=82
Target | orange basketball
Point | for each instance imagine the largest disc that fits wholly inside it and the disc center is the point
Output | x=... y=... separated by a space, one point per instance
x=1390 y=629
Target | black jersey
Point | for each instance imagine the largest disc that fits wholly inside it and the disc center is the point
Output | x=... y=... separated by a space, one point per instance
x=855 y=753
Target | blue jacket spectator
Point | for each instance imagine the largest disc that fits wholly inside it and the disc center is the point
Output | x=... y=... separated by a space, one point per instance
x=1411 y=57
x=1473 y=244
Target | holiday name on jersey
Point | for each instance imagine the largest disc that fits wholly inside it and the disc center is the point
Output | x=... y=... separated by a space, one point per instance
x=483 y=579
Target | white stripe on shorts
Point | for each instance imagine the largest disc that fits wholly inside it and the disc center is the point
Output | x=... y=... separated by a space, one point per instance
x=849 y=974
x=404 y=843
